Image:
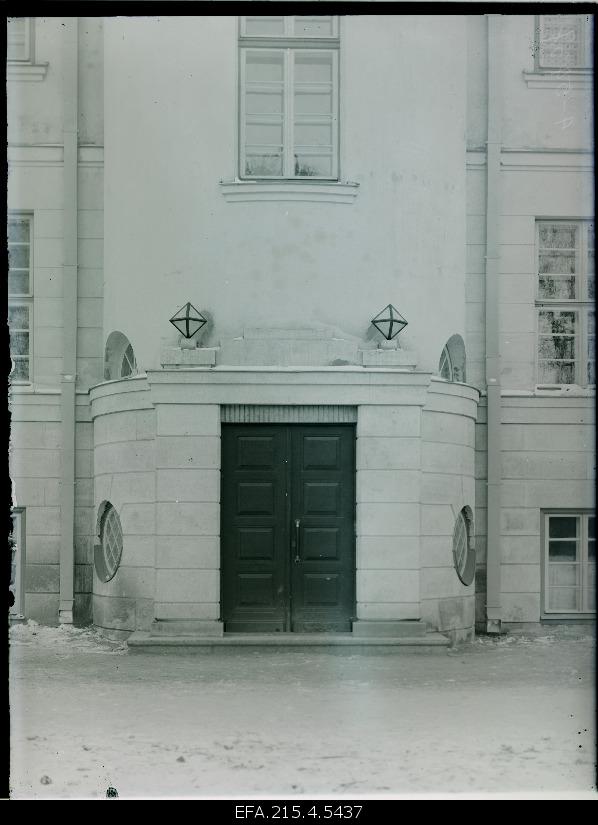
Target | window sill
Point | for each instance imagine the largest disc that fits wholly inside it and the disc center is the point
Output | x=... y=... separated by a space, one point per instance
x=564 y=389
x=31 y=72
x=559 y=78
x=289 y=190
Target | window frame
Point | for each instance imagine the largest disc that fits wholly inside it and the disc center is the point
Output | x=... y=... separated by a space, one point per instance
x=24 y=299
x=583 y=515
x=288 y=44
x=109 y=531
x=28 y=52
x=582 y=305
x=465 y=563
x=585 y=63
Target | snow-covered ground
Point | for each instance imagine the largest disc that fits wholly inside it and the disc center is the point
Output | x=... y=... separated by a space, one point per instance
x=507 y=715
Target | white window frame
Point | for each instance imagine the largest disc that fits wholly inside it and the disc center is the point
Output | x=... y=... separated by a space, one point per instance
x=586 y=51
x=582 y=305
x=583 y=517
x=27 y=52
x=24 y=299
x=288 y=44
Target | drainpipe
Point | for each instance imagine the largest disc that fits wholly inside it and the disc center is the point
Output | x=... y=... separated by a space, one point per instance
x=69 y=321
x=493 y=390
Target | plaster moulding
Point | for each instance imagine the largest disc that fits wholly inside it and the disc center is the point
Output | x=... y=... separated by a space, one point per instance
x=289 y=190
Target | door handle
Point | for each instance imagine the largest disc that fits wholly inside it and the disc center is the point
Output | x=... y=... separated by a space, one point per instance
x=297 y=556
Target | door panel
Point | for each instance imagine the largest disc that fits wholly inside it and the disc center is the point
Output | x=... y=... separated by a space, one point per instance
x=254 y=529
x=288 y=548
x=323 y=499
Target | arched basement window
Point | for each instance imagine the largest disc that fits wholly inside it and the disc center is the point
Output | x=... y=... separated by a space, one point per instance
x=119 y=358
x=452 y=360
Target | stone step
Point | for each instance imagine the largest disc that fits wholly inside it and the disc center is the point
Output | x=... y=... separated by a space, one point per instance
x=410 y=628
x=186 y=627
x=250 y=642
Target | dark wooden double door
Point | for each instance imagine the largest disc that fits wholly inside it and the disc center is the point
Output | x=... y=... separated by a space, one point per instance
x=288 y=528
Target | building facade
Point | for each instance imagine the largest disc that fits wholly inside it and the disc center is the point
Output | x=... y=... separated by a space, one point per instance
x=285 y=179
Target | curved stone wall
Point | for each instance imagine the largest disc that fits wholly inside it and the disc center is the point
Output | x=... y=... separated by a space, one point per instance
x=447 y=485
x=124 y=475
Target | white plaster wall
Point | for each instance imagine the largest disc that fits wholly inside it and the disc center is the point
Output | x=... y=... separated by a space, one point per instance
x=539 y=117
x=170 y=132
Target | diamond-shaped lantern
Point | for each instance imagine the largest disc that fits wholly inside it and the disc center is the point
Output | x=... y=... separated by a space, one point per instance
x=188 y=320
x=389 y=322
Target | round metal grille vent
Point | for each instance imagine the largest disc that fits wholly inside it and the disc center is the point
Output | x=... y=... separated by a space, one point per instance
x=463 y=552
x=111 y=544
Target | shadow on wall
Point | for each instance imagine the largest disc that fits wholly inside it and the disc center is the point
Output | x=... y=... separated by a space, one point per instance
x=452 y=360
x=119 y=358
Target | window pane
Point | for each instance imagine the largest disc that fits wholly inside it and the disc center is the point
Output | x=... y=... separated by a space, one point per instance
x=556 y=372
x=562 y=551
x=557 y=323
x=557 y=347
x=264 y=26
x=558 y=236
x=20 y=371
x=563 y=598
x=314 y=102
x=313 y=166
x=18 y=317
x=562 y=527
x=19 y=343
x=18 y=256
x=564 y=574
x=264 y=102
x=561 y=39
x=592 y=527
x=557 y=262
x=263 y=165
x=18 y=230
x=313 y=67
x=264 y=134
x=18 y=283
x=313 y=134
x=556 y=287
x=264 y=66
x=313 y=26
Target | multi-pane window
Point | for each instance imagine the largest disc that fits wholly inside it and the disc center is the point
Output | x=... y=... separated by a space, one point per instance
x=20 y=296
x=111 y=544
x=565 y=299
x=18 y=38
x=564 y=41
x=463 y=553
x=569 y=563
x=289 y=97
